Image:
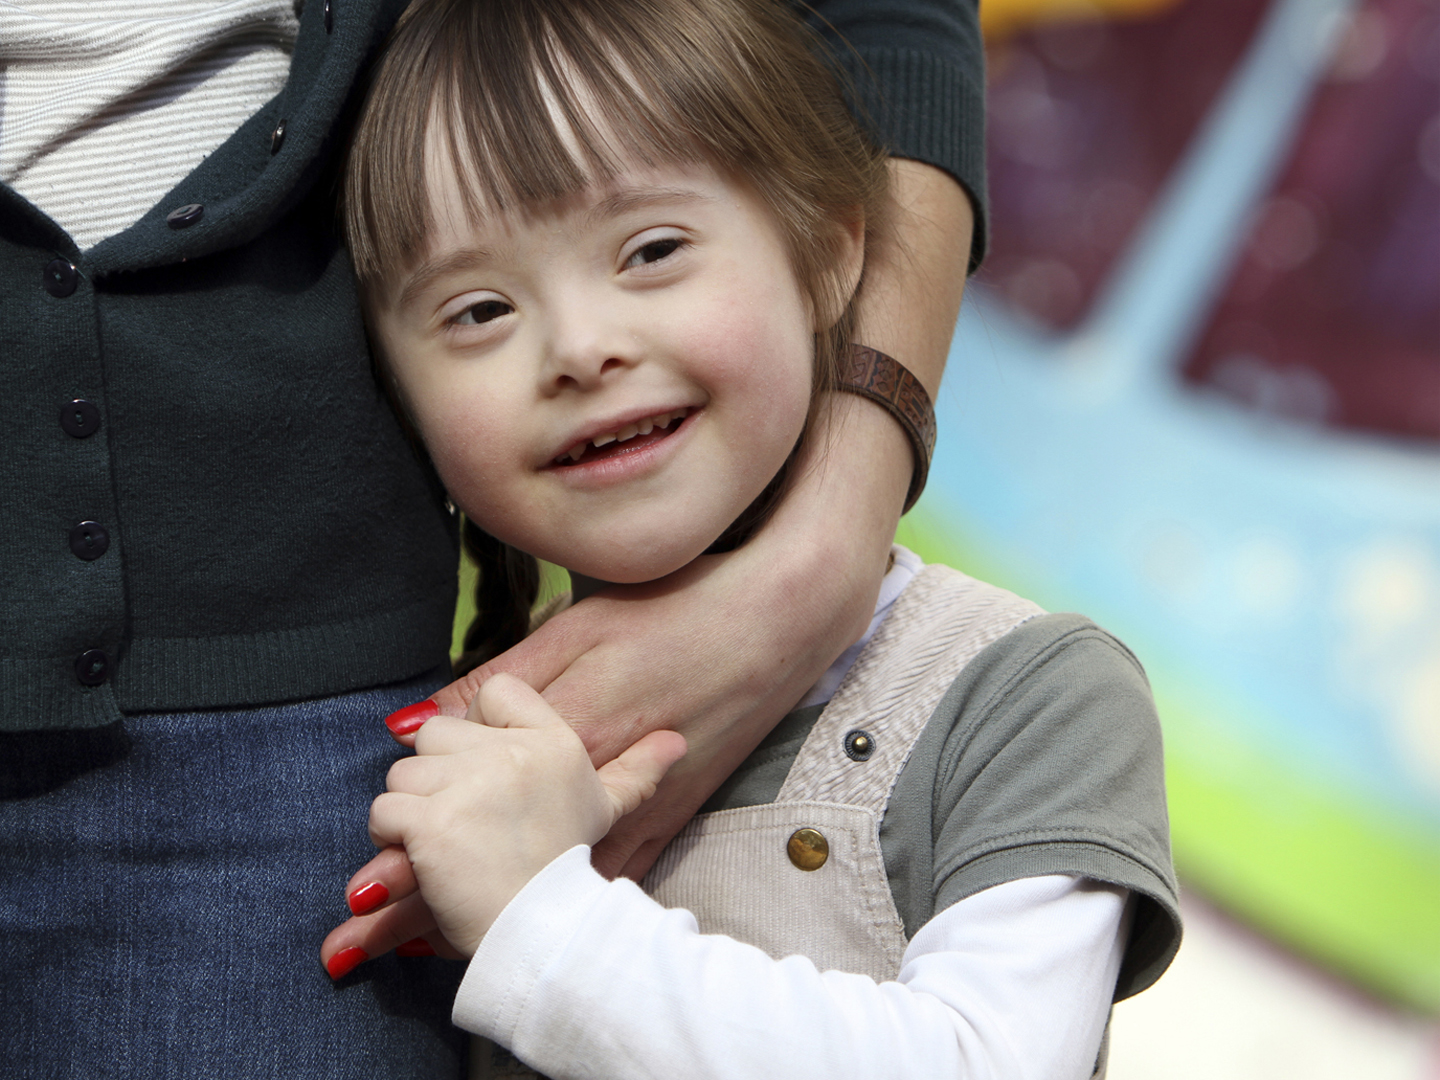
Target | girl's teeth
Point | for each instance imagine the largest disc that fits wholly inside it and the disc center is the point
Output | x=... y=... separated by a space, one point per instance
x=629 y=431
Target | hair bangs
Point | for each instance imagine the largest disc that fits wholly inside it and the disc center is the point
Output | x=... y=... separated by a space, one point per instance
x=533 y=100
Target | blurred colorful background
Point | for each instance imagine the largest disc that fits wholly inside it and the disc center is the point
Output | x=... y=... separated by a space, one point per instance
x=1195 y=394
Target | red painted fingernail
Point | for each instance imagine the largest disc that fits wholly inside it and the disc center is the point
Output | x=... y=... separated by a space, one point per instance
x=367 y=898
x=346 y=961
x=407 y=721
x=415 y=947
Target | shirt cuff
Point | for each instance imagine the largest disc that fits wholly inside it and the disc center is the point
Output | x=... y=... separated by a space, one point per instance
x=515 y=953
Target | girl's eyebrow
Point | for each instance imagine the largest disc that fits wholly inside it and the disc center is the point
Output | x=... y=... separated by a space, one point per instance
x=432 y=269
x=633 y=198
x=612 y=205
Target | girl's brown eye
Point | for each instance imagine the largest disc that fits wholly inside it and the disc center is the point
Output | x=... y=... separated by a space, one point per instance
x=654 y=251
x=483 y=312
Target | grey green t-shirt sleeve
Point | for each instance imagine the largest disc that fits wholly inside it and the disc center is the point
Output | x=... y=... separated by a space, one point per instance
x=1044 y=757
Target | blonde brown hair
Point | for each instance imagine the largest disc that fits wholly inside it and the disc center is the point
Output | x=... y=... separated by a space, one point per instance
x=542 y=98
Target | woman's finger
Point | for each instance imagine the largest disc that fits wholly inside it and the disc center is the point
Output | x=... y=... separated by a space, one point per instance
x=357 y=940
x=386 y=878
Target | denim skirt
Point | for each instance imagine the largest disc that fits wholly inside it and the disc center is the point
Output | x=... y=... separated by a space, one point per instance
x=165 y=884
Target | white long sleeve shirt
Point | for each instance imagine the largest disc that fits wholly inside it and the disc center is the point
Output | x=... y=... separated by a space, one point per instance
x=583 y=977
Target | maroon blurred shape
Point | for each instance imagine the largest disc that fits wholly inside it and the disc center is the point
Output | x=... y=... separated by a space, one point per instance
x=1332 y=314
x=1086 y=121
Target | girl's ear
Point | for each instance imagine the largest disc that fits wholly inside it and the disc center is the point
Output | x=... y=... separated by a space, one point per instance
x=844 y=276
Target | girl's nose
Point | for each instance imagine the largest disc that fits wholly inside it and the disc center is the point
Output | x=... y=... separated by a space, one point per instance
x=584 y=352
x=584 y=375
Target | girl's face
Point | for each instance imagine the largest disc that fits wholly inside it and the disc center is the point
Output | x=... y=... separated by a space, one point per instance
x=605 y=381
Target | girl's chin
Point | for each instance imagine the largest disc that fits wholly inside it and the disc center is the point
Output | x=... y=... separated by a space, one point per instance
x=597 y=575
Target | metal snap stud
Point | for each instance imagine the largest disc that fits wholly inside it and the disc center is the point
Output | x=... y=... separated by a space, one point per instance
x=859 y=745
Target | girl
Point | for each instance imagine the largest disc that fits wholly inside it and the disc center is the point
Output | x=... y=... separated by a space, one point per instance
x=609 y=276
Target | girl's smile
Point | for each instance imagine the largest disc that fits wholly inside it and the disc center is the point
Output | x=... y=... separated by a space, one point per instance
x=610 y=460
x=624 y=436
x=609 y=379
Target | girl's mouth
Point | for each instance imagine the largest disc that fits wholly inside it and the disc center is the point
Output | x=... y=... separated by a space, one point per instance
x=626 y=440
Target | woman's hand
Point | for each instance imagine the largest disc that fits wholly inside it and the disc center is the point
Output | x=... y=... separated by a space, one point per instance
x=487 y=802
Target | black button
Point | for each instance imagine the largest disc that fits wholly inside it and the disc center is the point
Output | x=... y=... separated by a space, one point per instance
x=329 y=17
x=89 y=540
x=277 y=137
x=80 y=418
x=859 y=745
x=92 y=667
x=183 y=217
x=60 y=278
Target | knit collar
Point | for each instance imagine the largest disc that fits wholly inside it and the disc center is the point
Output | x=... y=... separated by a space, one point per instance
x=245 y=185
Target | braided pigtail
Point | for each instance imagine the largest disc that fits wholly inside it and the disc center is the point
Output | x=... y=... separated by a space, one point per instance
x=509 y=583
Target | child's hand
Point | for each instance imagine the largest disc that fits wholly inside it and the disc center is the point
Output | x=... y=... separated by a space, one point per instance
x=489 y=801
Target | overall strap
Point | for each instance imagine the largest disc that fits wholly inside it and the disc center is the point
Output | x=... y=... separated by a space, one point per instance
x=860 y=743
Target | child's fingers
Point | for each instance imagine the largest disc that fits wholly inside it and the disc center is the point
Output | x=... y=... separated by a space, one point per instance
x=393 y=816
x=506 y=702
x=632 y=777
x=446 y=735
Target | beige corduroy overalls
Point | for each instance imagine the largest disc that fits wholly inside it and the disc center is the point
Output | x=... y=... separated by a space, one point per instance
x=805 y=874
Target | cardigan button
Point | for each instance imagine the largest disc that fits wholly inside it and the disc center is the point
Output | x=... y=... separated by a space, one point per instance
x=182 y=217
x=808 y=849
x=277 y=137
x=60 y=278
x=80 y=418
x=92 y=667
x=89 y=540
x=329 y=17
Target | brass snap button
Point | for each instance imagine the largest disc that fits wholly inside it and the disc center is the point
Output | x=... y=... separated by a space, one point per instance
x=808 y=849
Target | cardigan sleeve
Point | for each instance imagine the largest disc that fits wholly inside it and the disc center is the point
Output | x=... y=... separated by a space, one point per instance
x=916 y=70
